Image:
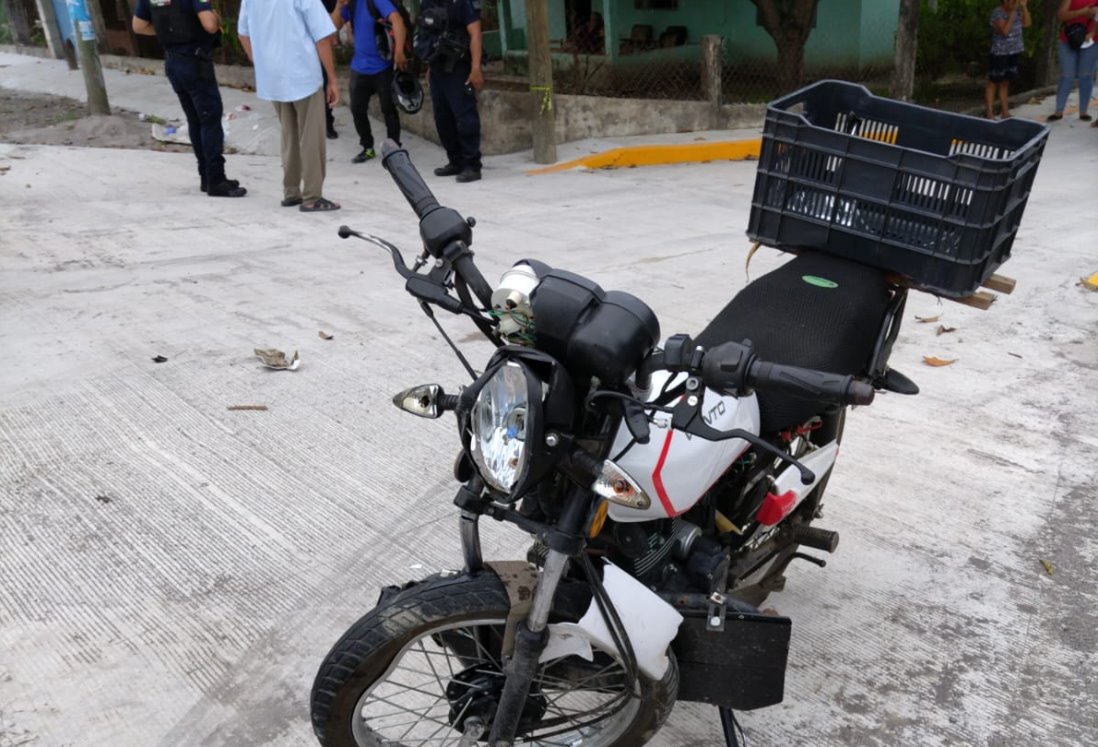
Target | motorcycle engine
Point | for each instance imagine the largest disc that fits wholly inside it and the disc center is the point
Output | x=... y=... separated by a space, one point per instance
x=671 y=555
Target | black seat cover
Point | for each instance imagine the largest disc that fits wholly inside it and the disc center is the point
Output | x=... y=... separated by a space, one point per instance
x=829 y=321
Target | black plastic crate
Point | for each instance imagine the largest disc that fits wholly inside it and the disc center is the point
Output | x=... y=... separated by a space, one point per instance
x=933 y=196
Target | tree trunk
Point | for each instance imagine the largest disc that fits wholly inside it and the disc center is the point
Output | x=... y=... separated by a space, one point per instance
x=21 y=21
x=1047 y=71
x=789 y=22
x=544 y=116
x=907 y=45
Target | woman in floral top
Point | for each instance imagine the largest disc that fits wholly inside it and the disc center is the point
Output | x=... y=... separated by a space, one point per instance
x=1007 y=21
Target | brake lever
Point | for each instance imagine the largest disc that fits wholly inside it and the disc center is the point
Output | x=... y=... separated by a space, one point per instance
x=398 y=258
x=686 y=417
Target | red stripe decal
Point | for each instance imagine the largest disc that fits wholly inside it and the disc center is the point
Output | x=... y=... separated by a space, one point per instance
x=657 y=480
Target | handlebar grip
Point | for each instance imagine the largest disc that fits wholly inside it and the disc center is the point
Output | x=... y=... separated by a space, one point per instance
x=396 y=161
x=810 y=384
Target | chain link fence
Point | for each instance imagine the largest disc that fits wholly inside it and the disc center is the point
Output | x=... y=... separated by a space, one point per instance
x=653 y=49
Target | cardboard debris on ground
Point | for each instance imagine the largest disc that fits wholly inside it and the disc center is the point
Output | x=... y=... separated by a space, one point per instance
x=275 y=358
x=176 y=132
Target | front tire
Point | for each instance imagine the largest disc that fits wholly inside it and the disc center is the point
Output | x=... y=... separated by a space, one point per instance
x=404 y=673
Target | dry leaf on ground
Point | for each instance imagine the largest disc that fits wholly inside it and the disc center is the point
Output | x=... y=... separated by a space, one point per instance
x=942 y=329
x=1047 y=565
x=930 y=360
x=927 y=319
x=324 y=335
x=275 y=358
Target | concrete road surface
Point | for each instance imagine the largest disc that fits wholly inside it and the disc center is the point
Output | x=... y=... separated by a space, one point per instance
x=172 y=571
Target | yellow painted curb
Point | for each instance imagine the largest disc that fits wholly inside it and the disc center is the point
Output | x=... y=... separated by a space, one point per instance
x=657 y=155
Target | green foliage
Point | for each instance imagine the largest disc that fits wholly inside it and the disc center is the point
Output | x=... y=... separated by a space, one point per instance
x=956 y=40
x=5 y=29
x=231 y=51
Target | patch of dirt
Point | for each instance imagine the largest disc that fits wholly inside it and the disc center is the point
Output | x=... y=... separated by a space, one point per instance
x=41 y=119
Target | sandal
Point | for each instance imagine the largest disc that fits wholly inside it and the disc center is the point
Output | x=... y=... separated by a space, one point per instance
x=320 y=205
x=1054 y=117
x=291 y=201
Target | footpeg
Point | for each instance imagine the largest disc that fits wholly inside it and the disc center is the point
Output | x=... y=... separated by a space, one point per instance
x=817 y=539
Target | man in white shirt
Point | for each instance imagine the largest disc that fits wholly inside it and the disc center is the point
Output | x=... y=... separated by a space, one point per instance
x=288 y=41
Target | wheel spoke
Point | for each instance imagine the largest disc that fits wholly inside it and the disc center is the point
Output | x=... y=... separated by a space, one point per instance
x=584 y=704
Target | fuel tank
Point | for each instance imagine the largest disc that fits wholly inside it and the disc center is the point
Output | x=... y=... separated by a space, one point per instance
x=674 y=468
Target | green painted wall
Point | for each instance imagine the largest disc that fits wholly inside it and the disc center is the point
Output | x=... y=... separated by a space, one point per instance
x=853 y=34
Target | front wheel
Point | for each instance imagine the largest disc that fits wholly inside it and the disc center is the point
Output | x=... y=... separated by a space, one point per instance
x=424 y=668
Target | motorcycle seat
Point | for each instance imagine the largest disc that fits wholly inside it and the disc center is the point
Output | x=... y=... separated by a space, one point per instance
x=815 y=311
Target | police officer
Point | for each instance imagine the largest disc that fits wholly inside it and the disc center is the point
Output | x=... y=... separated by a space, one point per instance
x=449 y=40
x=189 y=30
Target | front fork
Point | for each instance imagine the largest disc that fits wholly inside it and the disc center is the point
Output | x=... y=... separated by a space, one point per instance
x=532 y=633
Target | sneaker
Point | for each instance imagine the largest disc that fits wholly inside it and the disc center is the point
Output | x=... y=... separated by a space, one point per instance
x=226 y=189
x=332 y=134
x=468 y=175
x=364 y=156
x=449 y=169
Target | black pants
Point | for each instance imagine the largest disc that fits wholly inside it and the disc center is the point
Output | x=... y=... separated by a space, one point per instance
x=362 y=88
x=456 y=116
x=194 y=83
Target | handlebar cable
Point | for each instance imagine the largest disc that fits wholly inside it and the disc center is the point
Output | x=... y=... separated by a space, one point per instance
x=431 y=315
x=485 y=326
x=614 y=625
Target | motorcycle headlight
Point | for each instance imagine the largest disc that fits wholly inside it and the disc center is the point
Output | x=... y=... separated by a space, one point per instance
x=505 y=426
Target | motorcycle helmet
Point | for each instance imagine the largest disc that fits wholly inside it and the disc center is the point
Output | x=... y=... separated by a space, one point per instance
x=407 y=92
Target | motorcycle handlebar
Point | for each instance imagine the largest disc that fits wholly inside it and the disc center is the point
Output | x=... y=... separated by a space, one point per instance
x=734 y=366
x=806 y=382
x=443 y=228
x=396 y=161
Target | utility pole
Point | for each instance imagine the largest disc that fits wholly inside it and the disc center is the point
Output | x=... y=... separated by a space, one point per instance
x=543 y=123
x=88 y=55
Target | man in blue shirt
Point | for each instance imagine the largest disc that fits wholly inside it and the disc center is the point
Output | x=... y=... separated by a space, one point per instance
x=189 y=30
x=370 y=72
x=449 y=40
x=289 y=42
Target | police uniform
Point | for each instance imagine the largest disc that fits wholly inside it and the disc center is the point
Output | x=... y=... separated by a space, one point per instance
x=188 y=64
x=455 y=102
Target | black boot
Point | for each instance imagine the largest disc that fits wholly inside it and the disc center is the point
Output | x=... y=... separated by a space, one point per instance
x=450 y=169
x=227 y=188
x=232 y=182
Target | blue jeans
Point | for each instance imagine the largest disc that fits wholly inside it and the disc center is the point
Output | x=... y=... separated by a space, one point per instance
x=194 y=83
x=1076 y=64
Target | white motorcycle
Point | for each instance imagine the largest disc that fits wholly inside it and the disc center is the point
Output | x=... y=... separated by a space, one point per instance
x=666 y=491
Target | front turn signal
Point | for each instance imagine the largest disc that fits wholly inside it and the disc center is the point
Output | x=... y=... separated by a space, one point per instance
x=423 y=400
x=616 y=486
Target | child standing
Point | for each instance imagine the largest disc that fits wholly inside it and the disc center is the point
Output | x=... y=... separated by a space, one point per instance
x=1007 y=21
